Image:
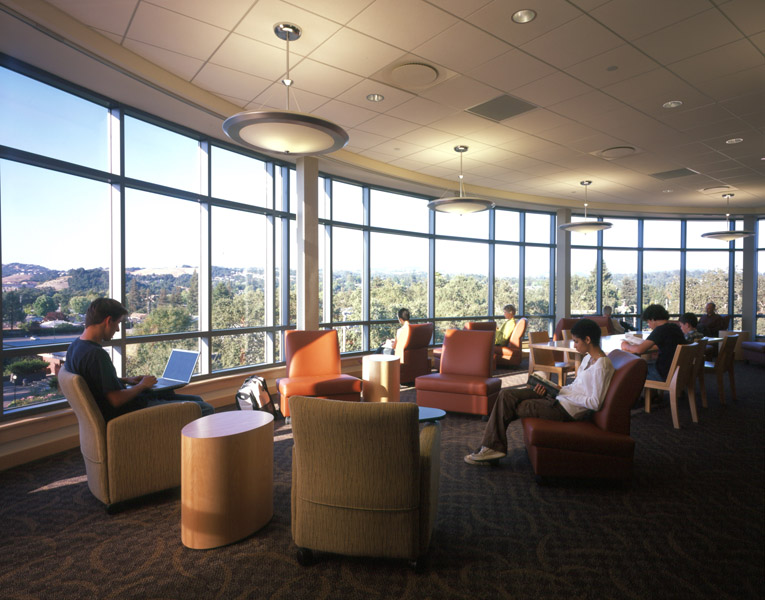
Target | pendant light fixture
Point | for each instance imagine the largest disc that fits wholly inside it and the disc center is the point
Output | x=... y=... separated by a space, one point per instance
x=285 y=131
x=585 y=226
x=728 y=235
x=460 y=204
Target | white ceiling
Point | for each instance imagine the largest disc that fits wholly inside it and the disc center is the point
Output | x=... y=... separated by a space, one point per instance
x=598 y=72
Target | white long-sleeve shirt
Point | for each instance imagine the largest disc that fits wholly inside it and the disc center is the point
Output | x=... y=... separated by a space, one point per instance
x=588 y=390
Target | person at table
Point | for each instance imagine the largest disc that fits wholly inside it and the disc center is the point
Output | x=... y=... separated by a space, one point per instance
x=664 y=338
x=688 y=324
x=710 y=323
x=574 y=402
x=86 y=357
x=617 y=326
x=389 y=347
x=504 y=331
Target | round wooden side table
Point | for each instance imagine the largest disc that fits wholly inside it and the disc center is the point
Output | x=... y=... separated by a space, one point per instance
x=381 y=374
x=227 y=477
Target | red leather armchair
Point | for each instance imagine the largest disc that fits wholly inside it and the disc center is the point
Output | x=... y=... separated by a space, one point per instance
x=599 y=448
x=313 y=369
x=512 y=354
x=568 y=323
x=464 y=383
x=412 y=350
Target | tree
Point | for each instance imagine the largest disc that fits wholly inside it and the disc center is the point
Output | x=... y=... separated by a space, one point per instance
x=79 y=304
x=12 y=308
x=43 y=305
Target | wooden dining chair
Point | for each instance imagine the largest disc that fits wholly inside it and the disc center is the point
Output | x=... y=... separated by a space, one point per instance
x=678 y=380
x=698 y=375
x=573 y=361
x=724 y=363
x=604 y=331
x=544 y=360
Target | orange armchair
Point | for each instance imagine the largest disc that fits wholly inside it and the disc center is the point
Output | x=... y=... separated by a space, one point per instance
x=512 y=354
x=598 y=448
x=313 y=369
x=463 y=383
x=412 y=350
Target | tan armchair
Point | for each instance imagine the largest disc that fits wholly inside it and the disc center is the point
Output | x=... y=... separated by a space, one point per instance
x=132 y=455
x=364 y=479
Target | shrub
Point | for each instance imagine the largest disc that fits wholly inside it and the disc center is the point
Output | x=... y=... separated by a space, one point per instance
x=28 y=366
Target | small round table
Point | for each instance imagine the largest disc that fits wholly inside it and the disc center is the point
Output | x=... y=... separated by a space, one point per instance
x=431 y=415
x=227 y=477
x=381 y=375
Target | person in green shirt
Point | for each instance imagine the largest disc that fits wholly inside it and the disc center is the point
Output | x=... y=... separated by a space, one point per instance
x=504 y=331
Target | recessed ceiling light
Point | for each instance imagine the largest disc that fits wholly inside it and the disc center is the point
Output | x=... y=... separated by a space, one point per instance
x=734 y=141
x=672 y=104
x=612 y=68
x=524 y=16
x=667 y=191
x=375 y=97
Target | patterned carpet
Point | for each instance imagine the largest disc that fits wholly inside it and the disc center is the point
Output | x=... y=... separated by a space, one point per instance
x=691 y=525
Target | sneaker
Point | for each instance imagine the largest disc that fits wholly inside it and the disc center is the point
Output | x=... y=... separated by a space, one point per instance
x=484 y=456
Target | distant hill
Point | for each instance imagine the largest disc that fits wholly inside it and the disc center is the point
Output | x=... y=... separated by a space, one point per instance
x=31 y=272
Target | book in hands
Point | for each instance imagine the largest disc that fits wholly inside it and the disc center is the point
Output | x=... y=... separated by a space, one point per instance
x=550 y=387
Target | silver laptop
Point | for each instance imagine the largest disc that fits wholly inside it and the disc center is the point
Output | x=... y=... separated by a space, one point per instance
x=178 y=371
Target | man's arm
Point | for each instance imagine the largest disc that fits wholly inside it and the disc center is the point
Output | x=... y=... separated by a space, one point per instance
x=643 y=348
x=119 y=397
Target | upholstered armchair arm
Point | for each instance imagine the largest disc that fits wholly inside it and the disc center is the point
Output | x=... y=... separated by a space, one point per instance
x=144 y=449
x=430 y=475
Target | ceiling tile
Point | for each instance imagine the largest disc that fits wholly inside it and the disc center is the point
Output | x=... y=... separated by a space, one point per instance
x=612 y=66
x=426 y=137
x=537 y=121
x=387 y=126
x=736 y=84
x=345 y=115
x=229 y=82
x=382 y=20
x=179 y=64
x=398 y=149
x=759 y=41
x=461 y=123
x=250 y=56
x=221 y=14
x=367 y=56
x=449 y=48
x=651 y=90
x=363 y=140
x=300 y=100
x=631 y=20
x=459 y=8
x=358 y=93
x=551 y=89
x=725 y=60
x=747 y=15
x=511 y=70
x=684 y=120
x=341 y=11
x=573 y=42
x=322 y=79
x=171 y=31
x=586 y=108
x=115 y=20
x=461 y=93
x=420 y=111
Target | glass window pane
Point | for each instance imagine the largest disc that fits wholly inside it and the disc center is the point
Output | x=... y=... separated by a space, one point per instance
x=161 y=156
x=396 y=211
x=584 y=282
x=537 y=284
x=347 y=202
x=31 y=379
x=661 y=280
x=347 y=261
x=239 y=246
x=583 y=239
x=240 y=178
x=349 y=338
x=706 y=280
x=620 y=282
x=461 y=279
x=661 y=234
x=623 y=233
x=506 y=276
x=475 y=225
x=50 y=271
x=738 y=284
x=325 y=201
x=244 y=350
x=507 y=225
x=162 y=263
x=151 y=358
x=538 y=228
x=38 y=118
x=694 y=229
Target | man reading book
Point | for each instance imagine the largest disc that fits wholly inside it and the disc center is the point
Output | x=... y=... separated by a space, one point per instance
x=573 y=402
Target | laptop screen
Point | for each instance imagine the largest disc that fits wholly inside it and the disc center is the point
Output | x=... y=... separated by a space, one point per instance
x=181 y=364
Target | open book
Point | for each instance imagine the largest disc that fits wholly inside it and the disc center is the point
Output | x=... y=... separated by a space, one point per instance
x=552 y=389
x=632 y=339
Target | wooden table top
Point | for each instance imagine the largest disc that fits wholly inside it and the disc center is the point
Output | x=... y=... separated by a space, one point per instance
x=231 y=422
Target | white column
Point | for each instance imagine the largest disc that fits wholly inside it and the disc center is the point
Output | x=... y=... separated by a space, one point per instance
x=563 y=267
x=308 y=243
x=749 y=277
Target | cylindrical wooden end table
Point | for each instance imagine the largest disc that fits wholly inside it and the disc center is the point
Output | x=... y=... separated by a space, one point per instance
x=381 y=374
x=227 y=477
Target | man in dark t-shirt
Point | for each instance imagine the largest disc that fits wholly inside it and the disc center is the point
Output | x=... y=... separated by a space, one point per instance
x=710 y=323
x=665 y=337
x=86 y=357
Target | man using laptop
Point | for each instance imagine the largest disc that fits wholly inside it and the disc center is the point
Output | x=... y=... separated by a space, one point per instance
x=86 y=357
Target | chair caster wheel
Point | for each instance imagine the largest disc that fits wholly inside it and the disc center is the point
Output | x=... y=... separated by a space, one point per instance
x=288 y=420
x=304 y=557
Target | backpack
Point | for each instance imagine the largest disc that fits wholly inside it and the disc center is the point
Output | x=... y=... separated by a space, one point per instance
x=253 y=395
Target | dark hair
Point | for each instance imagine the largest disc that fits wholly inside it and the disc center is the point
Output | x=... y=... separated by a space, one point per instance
x=587 y=328
x=403 y=314
x=101 y=308
x=655 y=312
x=608 y=308
x=689 y=319
x=509 y=308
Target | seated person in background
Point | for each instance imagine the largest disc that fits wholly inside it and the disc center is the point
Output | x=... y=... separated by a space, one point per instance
x=86 y=357
x=504 y=331
x=389 y=347
x=710 y=323
x=574 y=402
x=664 y=336
x=688 y=323
x=607 y=310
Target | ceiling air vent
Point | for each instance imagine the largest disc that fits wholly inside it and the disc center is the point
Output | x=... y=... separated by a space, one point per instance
x=674 y=174
x=501 y=108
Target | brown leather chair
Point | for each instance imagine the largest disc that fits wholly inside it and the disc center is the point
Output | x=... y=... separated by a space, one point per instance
x=464 y=383
x=313 y=369
x=412 y=343
x=568 y=323
x=512 y=354
x=600 y=448
x=469 y=326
